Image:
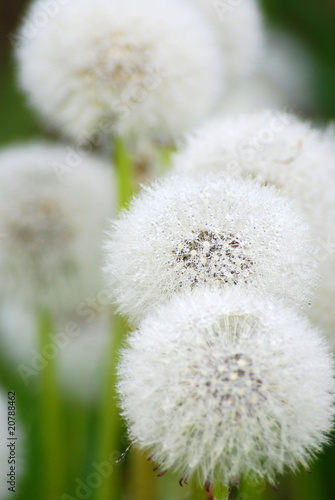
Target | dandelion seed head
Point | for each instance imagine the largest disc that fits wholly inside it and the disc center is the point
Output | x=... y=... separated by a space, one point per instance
x=278 y=149
x=183 y=232
x=273 y=148
x=122 y=67
x=223 y=385
x=53 y=226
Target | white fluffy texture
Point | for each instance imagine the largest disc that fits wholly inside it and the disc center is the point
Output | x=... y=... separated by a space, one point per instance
x=81 y=358
x=4 y=451
x=225 y=385
x=182 y=232
x=241 y=34
x=273 y=148
x=284 y=79
x=277 y=148
x=149 y=68
x=50 y=250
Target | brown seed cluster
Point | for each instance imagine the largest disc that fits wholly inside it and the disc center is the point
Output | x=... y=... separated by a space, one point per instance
x=215 y=257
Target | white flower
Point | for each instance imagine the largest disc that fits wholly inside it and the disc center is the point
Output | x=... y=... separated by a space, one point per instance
x=5 y=450
x=271 y=147
x=225 y=385
x=278 y=149
x=145 y=68
x=182 y=232
x=51 y=230
x=241 y=35
x=79 y=344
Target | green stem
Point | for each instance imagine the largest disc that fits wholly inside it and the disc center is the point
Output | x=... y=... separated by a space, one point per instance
x=53 y=468
x=110 y=427
x=164 y=158
x=77 y=426
x=124 y=169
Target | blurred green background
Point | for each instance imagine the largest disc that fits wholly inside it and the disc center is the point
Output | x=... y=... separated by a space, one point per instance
x=313 y=22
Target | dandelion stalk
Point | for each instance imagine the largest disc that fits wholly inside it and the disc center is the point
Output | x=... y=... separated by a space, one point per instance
x=125 y=172
x=164 y=157
x=50 y=407
x=110 y=425
x=78 y=420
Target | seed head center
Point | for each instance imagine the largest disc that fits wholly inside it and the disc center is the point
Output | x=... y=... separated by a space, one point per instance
x=217 y=257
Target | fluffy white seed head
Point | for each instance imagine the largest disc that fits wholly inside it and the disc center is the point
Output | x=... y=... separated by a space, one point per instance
x=239 y=25
x=51 y=229
x=146 y=68
x=274 y=148
x=224 y=385
x=278 y=149
x=183 y=232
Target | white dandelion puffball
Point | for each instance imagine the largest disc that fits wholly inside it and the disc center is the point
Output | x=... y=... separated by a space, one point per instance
x=274 y=148
x=145 y=68
x=7 y=453
x=182 y=232
x=224 y=385
x=79 y=345
x=51 y=228
x=278 y=149
x=239 y=25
